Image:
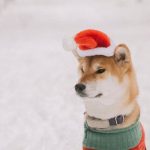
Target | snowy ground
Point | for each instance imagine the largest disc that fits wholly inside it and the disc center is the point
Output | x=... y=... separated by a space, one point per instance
x=38 y=106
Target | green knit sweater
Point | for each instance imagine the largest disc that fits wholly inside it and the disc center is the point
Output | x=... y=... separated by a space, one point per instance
x=118 y=139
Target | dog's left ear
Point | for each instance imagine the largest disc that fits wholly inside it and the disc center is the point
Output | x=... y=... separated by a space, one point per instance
x=122 y=55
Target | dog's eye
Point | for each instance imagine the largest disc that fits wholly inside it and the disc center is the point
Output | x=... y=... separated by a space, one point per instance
x=100 y=70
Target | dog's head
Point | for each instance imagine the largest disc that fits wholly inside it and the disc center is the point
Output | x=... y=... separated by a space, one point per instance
x=107 y=78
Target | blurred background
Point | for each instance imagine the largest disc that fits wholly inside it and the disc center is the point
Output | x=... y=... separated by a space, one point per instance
x=39 y=109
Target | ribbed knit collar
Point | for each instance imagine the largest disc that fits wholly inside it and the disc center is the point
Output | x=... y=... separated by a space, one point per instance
x=117 y=139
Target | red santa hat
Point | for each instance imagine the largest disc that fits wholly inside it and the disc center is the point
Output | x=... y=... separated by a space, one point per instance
x=90 y=43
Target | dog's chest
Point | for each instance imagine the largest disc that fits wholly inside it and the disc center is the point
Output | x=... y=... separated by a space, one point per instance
x=98 y=110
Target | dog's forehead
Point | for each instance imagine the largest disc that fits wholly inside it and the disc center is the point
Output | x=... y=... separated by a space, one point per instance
x=94 y=62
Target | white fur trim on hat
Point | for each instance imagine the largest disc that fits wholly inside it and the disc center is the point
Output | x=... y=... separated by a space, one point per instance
x=109 y=51
x=70 y=45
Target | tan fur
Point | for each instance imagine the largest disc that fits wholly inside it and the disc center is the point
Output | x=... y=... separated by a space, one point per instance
x=114 y=67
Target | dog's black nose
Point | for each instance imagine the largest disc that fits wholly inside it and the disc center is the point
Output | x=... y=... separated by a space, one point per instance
x=79 y=87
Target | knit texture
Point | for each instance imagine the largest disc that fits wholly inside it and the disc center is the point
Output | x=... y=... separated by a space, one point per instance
x=118 y=139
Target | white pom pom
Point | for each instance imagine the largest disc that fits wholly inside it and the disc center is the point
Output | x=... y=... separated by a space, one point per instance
x=69 y=44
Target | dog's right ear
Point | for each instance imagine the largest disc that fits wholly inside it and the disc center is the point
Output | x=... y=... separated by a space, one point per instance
x=70 y=45
x=122 y=55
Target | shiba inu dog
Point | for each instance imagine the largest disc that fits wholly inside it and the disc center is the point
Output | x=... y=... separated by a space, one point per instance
x=107 y=84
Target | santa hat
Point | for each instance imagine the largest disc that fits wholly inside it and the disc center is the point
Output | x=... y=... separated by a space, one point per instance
x=90 y=43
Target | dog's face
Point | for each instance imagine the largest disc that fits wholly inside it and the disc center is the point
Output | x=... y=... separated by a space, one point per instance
x=106 y=78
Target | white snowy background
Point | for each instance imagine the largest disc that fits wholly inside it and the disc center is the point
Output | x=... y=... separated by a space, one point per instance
x=39 y=109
